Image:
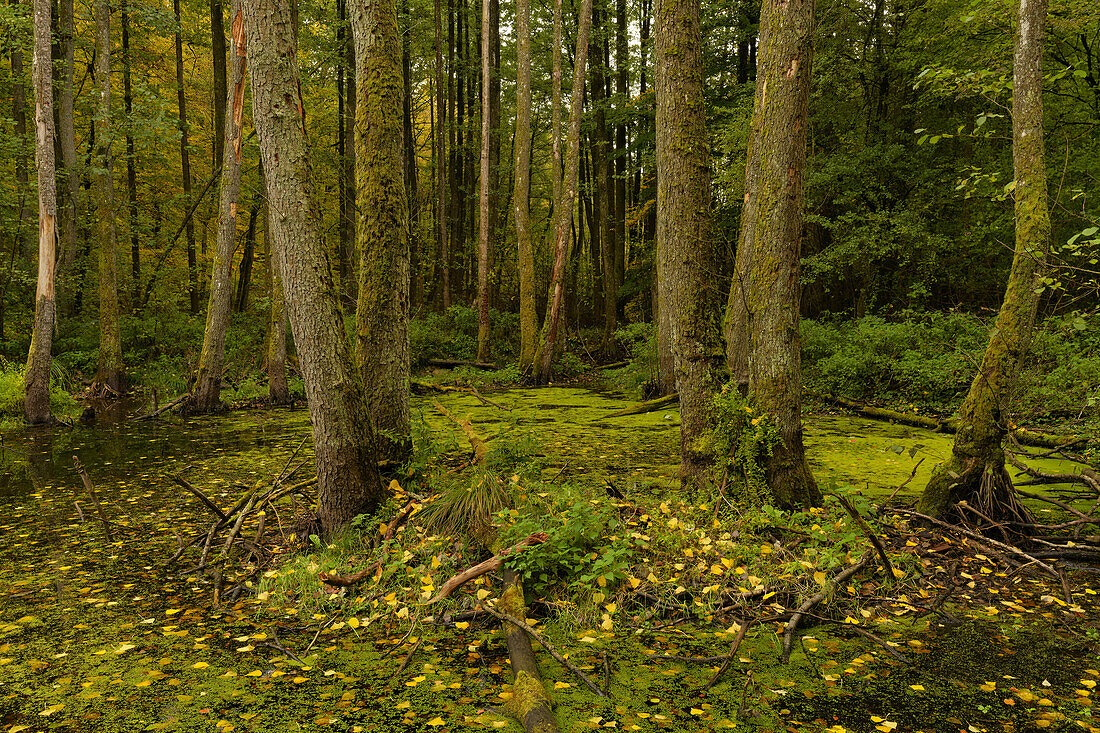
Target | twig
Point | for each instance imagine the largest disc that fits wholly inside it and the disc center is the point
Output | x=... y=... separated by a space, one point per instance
x=733 y=650
x=165 y=408
x=95 y=500
x=408 y=657
x=202 y=497
x=869 y=533
x=547 y=646
x=398 y=645
x=488 y=401
x=493 y=563
x=903 y=484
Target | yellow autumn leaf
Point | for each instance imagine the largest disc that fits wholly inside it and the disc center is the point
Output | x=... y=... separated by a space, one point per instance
x=483 y=594
x=462 y=625
x=52 y=709
x=199 y=665
x=820 y=577
x=353 y=622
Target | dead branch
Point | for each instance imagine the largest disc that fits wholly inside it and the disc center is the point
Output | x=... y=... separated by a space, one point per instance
x=979 y=538
x=493 y=563
x=733 y=650
x=843 y=575
x=476 y=442
x=201 y=496
x=343 y=581
x=95 y=500
x=644 y=407
x=869 y=533
x=160 y=410
x=1087 y=477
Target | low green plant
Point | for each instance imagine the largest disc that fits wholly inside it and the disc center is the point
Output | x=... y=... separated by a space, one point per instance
x=742 y=441
x=468 y=507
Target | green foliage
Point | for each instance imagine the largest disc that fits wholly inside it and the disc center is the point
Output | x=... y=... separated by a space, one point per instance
x=453 y=335
x=639 y=341
x=468 y=506
x=584 y=548
x=743 y=441
x=62 y=403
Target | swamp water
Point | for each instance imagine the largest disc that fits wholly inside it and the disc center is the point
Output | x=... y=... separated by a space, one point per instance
x=99 y=636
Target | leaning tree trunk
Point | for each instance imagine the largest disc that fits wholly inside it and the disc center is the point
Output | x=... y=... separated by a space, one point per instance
x=208 y=381
x=382 y=314
x=773 y=223
x=975 y=472
x=36 y=401
x=110 y=341
x=683 y=227
x=528 y=317
x=348 y=483
x=563 y=207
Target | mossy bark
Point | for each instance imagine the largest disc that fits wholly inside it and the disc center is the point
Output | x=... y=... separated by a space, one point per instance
x=110 y=372
x=528 y=317
x=976 y=469
x=382 y=313
x=185 y=165
x=563 y=207
x=686 y=254
x=763 y=339
x=530 y=702
x=278 y=391
x=485 y=222
x=206 y=395
x=36 y=398
x=348 y=483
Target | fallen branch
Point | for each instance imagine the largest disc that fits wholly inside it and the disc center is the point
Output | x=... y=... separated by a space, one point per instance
x=201 y=496
x=449 y=364
x=478 y=445
x=843 y=575
x=493 y=563
x=95 y=500
x=733 y=650
x=343 y=581
x=161 y=410
x=530 y=702
x=869 y=533
x=644 y=407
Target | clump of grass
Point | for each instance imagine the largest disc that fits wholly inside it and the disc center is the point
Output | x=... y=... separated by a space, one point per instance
x=468 y=507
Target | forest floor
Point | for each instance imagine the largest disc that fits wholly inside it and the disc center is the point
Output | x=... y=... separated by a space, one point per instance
x=646 y=590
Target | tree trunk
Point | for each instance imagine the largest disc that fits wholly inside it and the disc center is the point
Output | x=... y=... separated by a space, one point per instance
x=976 y=469
x=528 y=317
x=244 y=277
x=771 y=229
x=67 y=134
x=22 y=174
x=622 y=90
x=343 y=145
x=212 y=359
x=185 y=168
x=217 y=50
x=683 y=227
x=131 y=162
x=548 y=341
x=443 y=276
x=278 y=390
x=604 y=185
x=351 y=286
x=348 y=483
x=484 y=232
x=110 y=342
x=382 y=316
x=409 y=141
x=36 y=402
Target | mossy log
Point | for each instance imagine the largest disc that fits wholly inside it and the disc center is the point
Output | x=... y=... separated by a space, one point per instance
x=476 y=441
x=644 y=407
x=1025 y=437
x=530 y=702
x=449 y=364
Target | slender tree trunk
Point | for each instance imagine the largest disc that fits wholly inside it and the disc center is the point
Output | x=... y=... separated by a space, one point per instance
x=408 y=127
x=277 y=388
x=441 y=229
x=212 y=359
x=22 y=174
x=382 y=316
x=528 y=317
x=555 y=116
x=110 y=341
x=67 y=134
x=495 y=209
x=564 y=209
x=36 y=401
x=131 y=161
x=483 y=195
x=771 y=231
x=218 y=50
x=975 y=472
x=351 y=286
x=244 y=279
x=604 y=187
x=343 y=136
x=622 y=90
x=348 y=483
x=185 y=167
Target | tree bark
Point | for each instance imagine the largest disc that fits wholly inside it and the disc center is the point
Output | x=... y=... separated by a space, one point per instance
x=67 y=135
x=409 y=140
x=185 y=167
x=217 y=50
x=110 y=342
x=212 y=358
x=36 y=401
x=22 y=173
x=528 y=317
x=382 y=315
x=976 y=469
x=484 y=222
x=683 y=227
x=278 y=391
x=351 y=286
x=548 y=341
x=348 y=483
x=131 y=161
x=771 y=231
x=443 y=277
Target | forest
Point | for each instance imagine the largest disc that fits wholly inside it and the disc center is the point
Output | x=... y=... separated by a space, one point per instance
x=395 y=365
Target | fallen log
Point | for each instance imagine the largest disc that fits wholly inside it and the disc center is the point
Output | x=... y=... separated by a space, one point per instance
x=476 y=442
x=449 y=364
x=644 y=407
x=843 y=575
x=493 y=563
x=530 y=703
x=1023 y=435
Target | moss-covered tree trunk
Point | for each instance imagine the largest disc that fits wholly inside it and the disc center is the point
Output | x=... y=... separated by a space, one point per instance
x=382 y=315
x=208 y=381
x=36 y=398
x=110 y=371
x=67 y=135
x=278 y=390
x=563 y=207
x=528 y=316
x=442 y=273
x=976 y=469
x=683 y=226
x=348 y=483
x=771 y=231
x=185 y=165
